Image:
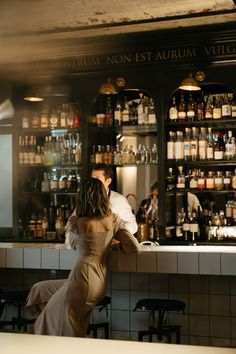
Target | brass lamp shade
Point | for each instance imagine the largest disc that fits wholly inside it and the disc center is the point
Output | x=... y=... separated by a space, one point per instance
x=107 y=88
x=33 y=97
x=189 y=84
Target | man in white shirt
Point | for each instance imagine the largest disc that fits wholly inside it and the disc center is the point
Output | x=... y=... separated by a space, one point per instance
x=119 y=204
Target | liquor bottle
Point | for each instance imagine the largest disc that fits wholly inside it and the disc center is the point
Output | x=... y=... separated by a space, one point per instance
x=171 y=146
x=173 y=111
x=182 y=108
x=38 y=156
x=201 y=182
x=179 y=147
x=125 y=113
x=233 y=180
x=35 y=122
x=54 y=183
x=218 y=149
x=133 y=114
x=57 y=151
x=32 y=149
x=200 y=109
x=154 y=154
x=226 y=108
x=44 y=119
x=118 y=114
x=193 y=183
x=190 y=108
x=179 y=224
x=194 y=144
x=21 y=150
x=98 y=155
x=25 y=120
x=233 y=107
x=108 y=113
x=227 y=180
x=216 y=113
x=210 y=145
x=153 y=219
x=151 y=112
x=53 y=119
x=78 y=150
x=76 y=123
x=230 y=149
x=187 y=145
x=202 y=144
x=194 y=227
x=44 y=223
x=210 y=180
x=72 y=182
x=63 y=182
x=59 y=225
x=180 y=185
x=70 y=116
x=208 y=109
x=63 y=117
x=218 y=181
x=45 y=183
x=117 y=155
x=186 y=226
x=26 y=151
x=170 y=180
x=141 y=110
x=229 y=210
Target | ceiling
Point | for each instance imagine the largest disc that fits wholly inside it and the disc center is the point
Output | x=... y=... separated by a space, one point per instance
x=40 y=29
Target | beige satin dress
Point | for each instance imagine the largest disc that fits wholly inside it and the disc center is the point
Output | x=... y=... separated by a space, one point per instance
x=67 y=313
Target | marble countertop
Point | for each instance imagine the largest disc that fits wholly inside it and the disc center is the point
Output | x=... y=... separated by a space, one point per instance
x=143 y=248
x=29 y=343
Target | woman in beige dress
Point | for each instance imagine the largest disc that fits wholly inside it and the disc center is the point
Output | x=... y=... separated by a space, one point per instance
x=68 y=311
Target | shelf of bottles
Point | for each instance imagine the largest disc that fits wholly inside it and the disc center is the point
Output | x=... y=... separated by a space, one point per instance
x=127 y=108
x=201 y=160
x=50 y=155
x=124 y=156
x=130 y=112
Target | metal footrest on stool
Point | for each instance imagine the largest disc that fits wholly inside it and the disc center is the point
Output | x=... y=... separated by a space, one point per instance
x=93 y=327
x=18 y=299
x=161 y=306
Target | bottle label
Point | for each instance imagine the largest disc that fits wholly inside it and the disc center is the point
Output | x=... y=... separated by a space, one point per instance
x=185 y=226
x=173 y=113
x=170 y=150
x=217 y=113
x=179 y=150
x=218 y=155
x=210 y=154
x=152 y=118
x=193 y=227
x=210 y=183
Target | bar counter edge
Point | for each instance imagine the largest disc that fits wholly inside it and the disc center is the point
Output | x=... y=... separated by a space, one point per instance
x=205 y=260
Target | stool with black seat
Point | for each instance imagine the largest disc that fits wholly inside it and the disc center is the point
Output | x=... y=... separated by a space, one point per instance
x=16 y=298
x=93 y=327
x=162 y=306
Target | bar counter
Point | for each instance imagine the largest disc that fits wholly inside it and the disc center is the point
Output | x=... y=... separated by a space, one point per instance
x=26 y=343
x=202 y=260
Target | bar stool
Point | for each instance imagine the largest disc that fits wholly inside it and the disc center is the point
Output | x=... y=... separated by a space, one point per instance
x=93 y=327
x=161 y=306
x=18 y=299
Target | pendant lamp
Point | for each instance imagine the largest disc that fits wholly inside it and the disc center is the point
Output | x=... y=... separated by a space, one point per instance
x=189 y=84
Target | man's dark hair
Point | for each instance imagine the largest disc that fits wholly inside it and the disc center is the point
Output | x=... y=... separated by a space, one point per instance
x=108 y=172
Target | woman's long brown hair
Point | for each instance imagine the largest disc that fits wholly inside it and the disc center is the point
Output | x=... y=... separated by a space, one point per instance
x=93 y=199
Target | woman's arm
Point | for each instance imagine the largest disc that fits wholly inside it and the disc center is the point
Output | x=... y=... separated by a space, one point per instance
x=127 y=242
